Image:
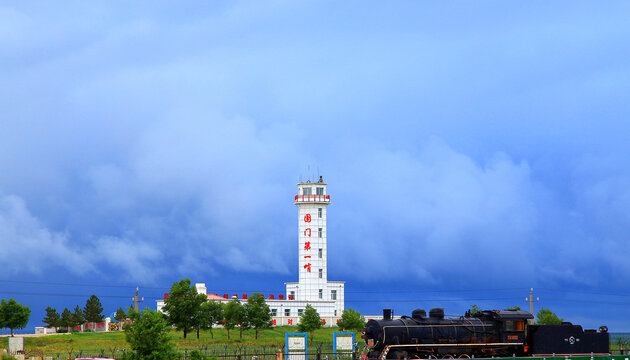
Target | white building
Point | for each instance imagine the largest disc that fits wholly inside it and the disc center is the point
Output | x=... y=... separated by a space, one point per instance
x=313 y=287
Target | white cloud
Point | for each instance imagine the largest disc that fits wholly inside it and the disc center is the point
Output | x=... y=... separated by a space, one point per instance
x=439 y=212
x=138 y=260
x=27 y=245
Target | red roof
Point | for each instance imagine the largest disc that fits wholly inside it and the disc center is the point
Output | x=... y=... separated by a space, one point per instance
x=215 y=297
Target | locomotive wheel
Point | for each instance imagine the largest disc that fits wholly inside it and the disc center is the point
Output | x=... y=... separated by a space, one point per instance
x=447 y=356
x=464 y=356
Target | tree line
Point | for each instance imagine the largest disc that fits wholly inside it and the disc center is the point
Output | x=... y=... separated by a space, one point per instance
x=188 y=311
x=92 y=312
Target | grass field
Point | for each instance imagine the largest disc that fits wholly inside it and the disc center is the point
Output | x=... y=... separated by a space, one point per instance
x=113 y=344
x=269 y=341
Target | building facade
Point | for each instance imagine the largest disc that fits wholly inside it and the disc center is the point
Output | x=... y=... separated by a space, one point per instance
x=312 y=287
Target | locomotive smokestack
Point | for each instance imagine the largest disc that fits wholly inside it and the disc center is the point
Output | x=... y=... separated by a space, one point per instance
x=387 y=314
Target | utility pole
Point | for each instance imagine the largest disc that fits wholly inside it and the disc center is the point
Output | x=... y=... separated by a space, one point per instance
x=135 y=299
x=531 y=303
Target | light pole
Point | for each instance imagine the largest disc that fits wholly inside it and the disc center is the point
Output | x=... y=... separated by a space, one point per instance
x=531 y=303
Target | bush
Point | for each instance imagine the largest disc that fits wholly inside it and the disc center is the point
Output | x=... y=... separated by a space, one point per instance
x=197 y=355
x=148 y=336
x=7 y=357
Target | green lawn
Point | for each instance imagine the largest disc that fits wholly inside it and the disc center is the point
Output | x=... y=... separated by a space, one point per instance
x=93 y=343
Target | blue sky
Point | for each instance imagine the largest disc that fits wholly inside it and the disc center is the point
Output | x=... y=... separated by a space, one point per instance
x=472 y=151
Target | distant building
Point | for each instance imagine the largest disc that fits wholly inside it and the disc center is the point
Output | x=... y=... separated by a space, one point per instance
x=313 y=287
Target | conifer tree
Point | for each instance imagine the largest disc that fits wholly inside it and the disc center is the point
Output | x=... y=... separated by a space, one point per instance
x=77 y=316
x=52 y=318
x=93 y=309
x=67 y=320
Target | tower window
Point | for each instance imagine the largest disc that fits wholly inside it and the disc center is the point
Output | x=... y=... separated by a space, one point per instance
x=321 y=293
x=287 y=312
x=320 y=253
x=335 y=312
x=320 y=191
x=319 y=232
x=274 y=312
x=319 y=213
x=333 y=294
x=307 y=191
x=321 y=273
x=300 y=312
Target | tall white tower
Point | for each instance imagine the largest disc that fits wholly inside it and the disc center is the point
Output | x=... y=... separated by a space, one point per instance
x=313 y=286
x=312 y=201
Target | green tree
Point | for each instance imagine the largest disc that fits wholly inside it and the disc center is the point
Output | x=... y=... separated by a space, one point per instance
x=13 y=315
x=120 y=315
x=546 y=317
x=93 y=310
x=198 y=320
x=67 y=320
x=310 y=321
x=182 y=306
x=234 y=314
x=211 y=313
x=351 y=320
x=52 y=318
x=77 y=316
x=148 y=336
x=258 y=314
x=474 y=310
x=515 y=307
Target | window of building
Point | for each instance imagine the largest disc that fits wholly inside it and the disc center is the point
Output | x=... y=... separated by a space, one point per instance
x=319 y=213
x=292 y=295
x=320 y=191
x=333 y=294
x=321 y=293
x=307 y=191
x=319 y=232
x=287 y=312
x=321 y=273
x=320 y=253
x=335 y=312
x=274 y=312
x=300 y=312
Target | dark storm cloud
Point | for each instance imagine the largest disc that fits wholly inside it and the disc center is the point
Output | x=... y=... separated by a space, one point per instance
x=150 y=142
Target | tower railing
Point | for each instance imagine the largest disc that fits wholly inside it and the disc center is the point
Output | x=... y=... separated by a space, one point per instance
x=312 y=198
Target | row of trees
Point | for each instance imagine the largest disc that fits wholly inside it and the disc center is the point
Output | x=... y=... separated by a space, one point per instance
x=91 y=313
x=13 y=315
x=187 y=311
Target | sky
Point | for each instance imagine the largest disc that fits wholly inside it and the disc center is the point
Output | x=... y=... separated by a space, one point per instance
x=473 y=150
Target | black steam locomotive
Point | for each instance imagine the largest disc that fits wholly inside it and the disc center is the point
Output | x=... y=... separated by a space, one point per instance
x=486 y=334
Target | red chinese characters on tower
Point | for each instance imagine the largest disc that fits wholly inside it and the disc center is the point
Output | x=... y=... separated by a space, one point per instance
x=290 y=321
x=307 y=245
x=308 y=267
x=307 y=232
x=307 y=218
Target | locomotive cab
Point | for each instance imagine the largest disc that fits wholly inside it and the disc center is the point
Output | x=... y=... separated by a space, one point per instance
x=513 y=325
